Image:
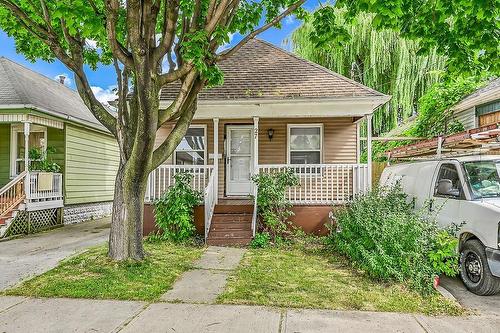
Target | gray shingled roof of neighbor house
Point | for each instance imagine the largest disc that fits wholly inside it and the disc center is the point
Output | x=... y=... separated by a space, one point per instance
x=260 y=70
x=488 y=93
x=21 y=87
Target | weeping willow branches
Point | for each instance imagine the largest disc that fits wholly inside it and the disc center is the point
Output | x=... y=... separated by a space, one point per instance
x=381 y=60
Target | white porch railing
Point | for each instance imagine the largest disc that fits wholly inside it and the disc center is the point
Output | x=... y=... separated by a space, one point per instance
x=12 y=194
x=35 y=191
x=210 y=200
x=324 y=183
x=164 y=176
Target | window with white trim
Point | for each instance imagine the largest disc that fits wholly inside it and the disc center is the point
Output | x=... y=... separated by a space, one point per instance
x=305 y=144
x=192 y=149
x=37 y=140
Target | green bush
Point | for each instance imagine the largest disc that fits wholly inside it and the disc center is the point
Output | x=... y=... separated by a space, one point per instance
x=381 y=234
x=273 y=206
x=261 y=240
x=174 y=214
x=40 y=160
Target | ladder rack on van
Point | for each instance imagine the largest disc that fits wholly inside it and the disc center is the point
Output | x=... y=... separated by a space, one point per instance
x=481 y=140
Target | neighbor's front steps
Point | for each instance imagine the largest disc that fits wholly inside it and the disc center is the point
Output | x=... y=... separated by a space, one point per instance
x=18 y=314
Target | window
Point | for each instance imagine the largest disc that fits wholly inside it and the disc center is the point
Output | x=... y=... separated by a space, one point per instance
x=37 y=139
x=192 y=149
x=448 y=182
x=305 y=144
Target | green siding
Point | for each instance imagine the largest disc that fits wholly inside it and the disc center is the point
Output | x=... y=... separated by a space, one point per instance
x=91 y=162
x=4 y=154
x=55 y=138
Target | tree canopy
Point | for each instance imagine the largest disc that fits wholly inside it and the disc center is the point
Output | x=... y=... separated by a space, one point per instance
x=380 y=59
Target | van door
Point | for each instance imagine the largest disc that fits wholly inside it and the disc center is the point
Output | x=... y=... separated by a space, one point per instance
x=447 y=194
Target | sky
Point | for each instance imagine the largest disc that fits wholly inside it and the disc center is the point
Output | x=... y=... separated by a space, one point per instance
x=103 y=79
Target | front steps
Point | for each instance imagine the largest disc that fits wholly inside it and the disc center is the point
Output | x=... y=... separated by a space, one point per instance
x=231 y=224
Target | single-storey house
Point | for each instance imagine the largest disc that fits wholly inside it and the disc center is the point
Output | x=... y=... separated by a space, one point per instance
x=480 y=108
x=39 y=112
x=275 y=111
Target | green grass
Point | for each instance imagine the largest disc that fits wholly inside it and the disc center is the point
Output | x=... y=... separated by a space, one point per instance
x=92 y=275
x=313 y=278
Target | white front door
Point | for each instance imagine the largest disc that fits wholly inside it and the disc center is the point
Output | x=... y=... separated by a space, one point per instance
x=239 y=160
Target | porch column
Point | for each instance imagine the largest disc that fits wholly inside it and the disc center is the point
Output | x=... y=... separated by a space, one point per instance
x=358 y=144
x=26 y=144
x=255 y=145
x=369 y=148
x=216 y=159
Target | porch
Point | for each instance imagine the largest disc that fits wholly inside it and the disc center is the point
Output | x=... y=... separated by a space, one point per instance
x=29 y=200
x=223 y=155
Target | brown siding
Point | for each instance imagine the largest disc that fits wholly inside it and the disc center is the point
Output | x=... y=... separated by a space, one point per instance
x=339 y=140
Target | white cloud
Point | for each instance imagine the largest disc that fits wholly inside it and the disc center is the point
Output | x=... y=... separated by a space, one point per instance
x=67 y=79
x=290 y=19
x=104 y=95
x=91 y=44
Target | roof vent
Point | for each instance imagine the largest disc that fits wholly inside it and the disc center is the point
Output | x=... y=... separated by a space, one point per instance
x=62 y=78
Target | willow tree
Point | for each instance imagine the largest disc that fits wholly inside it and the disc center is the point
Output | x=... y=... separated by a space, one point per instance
x=151 y=43
x=380 y=59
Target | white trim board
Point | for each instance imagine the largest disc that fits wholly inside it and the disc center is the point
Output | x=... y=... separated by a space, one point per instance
x=286 y=109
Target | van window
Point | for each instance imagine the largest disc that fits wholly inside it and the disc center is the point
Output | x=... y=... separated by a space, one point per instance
x=448 y=182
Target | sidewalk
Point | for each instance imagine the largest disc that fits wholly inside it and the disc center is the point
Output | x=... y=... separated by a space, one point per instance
x=19 y=314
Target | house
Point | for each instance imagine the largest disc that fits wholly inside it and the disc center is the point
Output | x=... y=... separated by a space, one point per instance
x=38 y=112
x=274 y=111
x=479 y=108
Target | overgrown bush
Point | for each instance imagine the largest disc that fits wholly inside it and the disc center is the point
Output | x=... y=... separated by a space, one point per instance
x=174 y=211
x=273 y=207
x=381 y=234
x=40 y=160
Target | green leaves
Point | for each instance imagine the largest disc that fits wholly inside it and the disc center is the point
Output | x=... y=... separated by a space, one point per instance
x=174 y=213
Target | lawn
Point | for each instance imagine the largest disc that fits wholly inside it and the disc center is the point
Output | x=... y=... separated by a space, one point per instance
x=92 y=275
x=313 y=278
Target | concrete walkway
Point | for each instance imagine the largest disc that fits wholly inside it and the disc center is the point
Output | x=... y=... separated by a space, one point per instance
x=204 y=283
x=19 y=314
x=27 y=256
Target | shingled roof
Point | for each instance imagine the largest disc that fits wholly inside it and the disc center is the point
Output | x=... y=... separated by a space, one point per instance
x=22 y=87
x=260 y=70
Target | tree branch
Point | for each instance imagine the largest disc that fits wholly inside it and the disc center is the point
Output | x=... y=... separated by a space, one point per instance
x=119 y=51
x=174 y=108
x=168 y=146
x=226 y=54
x=171 y=14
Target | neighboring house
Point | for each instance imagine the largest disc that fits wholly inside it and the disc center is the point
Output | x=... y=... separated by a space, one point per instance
x=274 y=111
x=480 y=108
x=38 y=112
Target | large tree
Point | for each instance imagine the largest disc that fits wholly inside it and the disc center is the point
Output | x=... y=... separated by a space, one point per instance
x=151 y=43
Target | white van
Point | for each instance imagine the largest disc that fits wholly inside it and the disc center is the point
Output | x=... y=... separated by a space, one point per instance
x=461 y=190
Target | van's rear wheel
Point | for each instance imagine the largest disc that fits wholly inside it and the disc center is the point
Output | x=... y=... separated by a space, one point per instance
x=474 y=270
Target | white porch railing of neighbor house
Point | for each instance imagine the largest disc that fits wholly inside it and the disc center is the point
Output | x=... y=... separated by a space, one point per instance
x=12 y=194
x=36 y=191
x=164 y=176
x=210 y=200
x=324 y=183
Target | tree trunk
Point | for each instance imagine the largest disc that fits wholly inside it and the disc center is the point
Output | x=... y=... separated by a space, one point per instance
x=125 y=238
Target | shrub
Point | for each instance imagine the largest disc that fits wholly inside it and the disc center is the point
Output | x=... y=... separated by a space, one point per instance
x=261 y=240
x=174 y=210
x=383 y=236
x=273 y=206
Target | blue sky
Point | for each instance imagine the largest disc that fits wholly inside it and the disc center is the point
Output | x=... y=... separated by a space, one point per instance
x=104 y=78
